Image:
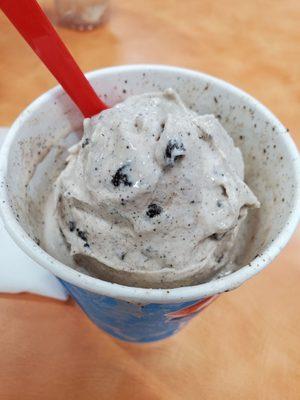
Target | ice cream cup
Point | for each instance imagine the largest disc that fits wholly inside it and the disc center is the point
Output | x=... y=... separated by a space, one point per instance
x=272 y=171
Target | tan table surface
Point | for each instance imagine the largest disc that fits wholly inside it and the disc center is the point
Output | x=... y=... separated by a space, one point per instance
x=246 y=345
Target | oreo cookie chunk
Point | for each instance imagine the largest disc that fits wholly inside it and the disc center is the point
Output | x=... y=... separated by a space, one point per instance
x=153 y=210
x=121 y=177
x=175 y=150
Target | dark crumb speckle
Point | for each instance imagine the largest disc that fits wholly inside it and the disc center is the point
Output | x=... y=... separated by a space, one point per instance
x=223 y=191
x=215 y=100
x=121 y=177
x=241 y=137
x=153 y=210
x=219 y=203
x=192 y=202
x=264 y=150
x=82 y=234
x=85 y=143
x=217 y=236
x=220 y=258
x=123 y=256
x=86 y=245
x=124 y=91
x=72 y=226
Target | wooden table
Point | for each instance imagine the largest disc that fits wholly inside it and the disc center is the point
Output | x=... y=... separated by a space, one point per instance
x=246 y=345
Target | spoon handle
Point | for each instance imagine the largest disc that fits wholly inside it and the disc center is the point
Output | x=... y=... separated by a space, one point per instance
x=32 y=23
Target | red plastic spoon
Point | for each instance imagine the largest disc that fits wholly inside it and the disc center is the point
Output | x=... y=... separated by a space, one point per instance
x=30 y=20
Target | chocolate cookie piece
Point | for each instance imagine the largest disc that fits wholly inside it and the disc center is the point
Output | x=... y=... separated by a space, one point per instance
x=174 y=151
x=153 y=210
x=121 y=177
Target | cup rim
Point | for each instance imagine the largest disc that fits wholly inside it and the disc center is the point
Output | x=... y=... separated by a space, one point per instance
x=181 y=294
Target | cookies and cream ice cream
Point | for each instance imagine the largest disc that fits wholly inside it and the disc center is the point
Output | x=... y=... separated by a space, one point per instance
x=152 y=196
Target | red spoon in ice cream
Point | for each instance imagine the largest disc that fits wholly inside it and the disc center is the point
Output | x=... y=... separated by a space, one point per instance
x=30 y=20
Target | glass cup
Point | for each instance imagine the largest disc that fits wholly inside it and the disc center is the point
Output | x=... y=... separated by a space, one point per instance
x=80 y=14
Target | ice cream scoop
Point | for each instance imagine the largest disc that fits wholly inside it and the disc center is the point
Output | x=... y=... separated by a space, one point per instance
x=152 y=196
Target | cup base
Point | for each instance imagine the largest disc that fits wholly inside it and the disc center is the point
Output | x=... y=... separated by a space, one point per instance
x=136 y=322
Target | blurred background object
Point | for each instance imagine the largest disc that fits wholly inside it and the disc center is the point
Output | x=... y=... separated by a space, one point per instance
x=81 y=15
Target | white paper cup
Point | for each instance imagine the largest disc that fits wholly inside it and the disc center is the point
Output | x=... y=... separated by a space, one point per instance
x=272 y=172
